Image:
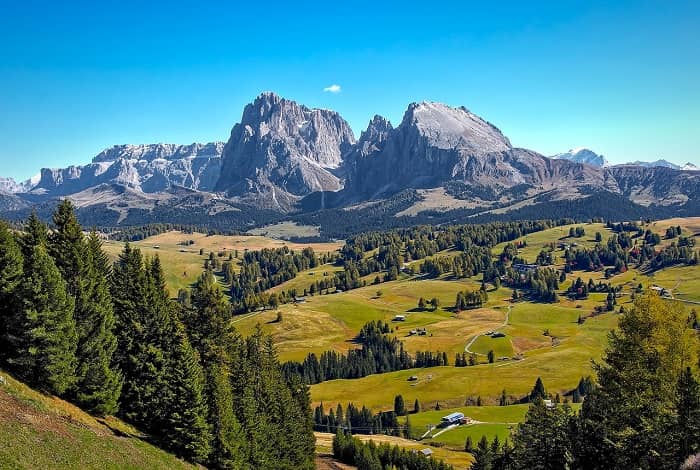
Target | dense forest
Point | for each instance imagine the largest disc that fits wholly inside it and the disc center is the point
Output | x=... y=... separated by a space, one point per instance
x=109 y=339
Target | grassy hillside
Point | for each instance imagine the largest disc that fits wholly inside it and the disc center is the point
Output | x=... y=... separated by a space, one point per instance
x=42 y=432
x=548 y=336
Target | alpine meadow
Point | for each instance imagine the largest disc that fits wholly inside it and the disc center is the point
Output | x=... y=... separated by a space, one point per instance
x=368 y=275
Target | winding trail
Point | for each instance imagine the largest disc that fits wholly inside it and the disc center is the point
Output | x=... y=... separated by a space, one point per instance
x=475 y=337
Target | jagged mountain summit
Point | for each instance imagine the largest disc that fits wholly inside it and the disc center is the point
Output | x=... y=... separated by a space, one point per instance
x=436 y=144
x=583 y=155
x=282 y=151
x=151 y=152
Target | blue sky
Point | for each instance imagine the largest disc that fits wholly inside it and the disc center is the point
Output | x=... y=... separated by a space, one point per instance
x=620 y=79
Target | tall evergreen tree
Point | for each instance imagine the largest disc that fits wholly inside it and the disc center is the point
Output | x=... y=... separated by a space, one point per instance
x=185 y=429
x=207 y=321
x=99 y=382
x=66 y=246
x=483 y=457
x=45 y=341
x=10 y=278
x=84 y=267
x=542 y=442
x=687 y=426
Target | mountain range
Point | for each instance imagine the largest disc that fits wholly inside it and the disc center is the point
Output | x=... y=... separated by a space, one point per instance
x=287 y=159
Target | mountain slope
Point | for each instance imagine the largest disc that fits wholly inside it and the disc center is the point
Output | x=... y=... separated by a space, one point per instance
x=40 y=431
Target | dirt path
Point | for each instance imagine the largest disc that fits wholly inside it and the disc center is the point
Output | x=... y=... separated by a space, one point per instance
x=475 y=337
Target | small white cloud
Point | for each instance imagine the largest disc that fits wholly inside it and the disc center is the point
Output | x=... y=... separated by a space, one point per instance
x=332 y=89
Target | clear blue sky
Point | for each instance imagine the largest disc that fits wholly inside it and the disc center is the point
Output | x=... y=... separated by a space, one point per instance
x=621 y=79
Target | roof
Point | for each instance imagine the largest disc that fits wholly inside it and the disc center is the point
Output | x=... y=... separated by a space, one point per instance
x=453 y=416
x=427 y=451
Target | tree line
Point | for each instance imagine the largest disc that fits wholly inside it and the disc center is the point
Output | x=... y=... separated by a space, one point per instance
x=379 y=353
x=369 y=456
x=108 y=338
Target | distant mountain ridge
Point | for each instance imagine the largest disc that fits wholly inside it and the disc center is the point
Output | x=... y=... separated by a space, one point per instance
x=149 y=168
x=285 y=158
x=583 y=155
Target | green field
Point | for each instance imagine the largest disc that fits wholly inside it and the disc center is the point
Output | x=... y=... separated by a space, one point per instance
x=490 y=421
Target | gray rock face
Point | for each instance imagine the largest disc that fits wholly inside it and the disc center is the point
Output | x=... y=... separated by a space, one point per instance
x=10 y=186
x=583 y=155
x=436 y=143
x=148 y=168
x=282 y=150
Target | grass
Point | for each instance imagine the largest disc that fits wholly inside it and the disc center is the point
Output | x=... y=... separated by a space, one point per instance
x=40 y=431
x=502 y=347
x=331 y=322
x=560 y=367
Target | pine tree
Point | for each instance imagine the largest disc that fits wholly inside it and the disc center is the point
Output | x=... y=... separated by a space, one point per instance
x=483 y=457
x=99 y=383
x=185 y=429
x=66 y=246
x=399 y=407
x=45 y=342
x=10 y=278
x=206 y=319
x=416 y=406
x=468 y=445
x=542 y=440
x=538 y=391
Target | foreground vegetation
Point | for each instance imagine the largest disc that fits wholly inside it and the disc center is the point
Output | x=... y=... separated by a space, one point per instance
x=41 y=431
x=111 y=340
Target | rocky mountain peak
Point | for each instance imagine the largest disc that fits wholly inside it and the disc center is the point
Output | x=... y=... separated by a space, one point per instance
x=446 y=127
x=375 y=135
x=284 y=148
